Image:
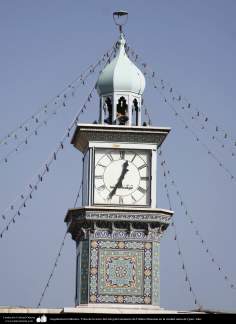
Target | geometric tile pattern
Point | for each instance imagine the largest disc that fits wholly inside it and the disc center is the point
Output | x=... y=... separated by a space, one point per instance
x=84 y=271
x=156 y=274
x=120 y=272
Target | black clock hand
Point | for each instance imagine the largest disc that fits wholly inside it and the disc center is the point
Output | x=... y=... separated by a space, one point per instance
x=121 y=178
x=124 y=171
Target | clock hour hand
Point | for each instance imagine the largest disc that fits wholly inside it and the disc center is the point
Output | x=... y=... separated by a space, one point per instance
x=121 y=178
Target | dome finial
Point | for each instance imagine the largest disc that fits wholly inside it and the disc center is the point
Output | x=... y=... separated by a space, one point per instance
x=120 y=85
x=120 y=18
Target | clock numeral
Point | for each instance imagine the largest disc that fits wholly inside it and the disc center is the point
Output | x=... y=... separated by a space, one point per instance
x=110 y=157
x=101 y=188
x=98 y=177
x=142 y=166
x=144 y=178
x=121 y=200
x=122 y=155
x=142 y=190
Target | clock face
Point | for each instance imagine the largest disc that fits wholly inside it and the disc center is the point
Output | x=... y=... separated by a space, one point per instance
x=122 y=177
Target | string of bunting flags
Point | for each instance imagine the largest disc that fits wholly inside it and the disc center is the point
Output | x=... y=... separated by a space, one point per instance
x=55 y=264
x=197 y=232
x=185 y=105
x=198 y=140
x=53 y=270
x=193 y=133
x=167 y=175
x=195 y=136
x=176 y=100
x=38 y=179
x=61 y=98
x=58 y=102
x=180 y=253
x=35 y=130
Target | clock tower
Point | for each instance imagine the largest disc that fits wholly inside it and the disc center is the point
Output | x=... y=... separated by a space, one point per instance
x=118 y=228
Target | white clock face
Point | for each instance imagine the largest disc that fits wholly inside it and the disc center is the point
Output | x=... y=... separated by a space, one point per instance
x=122 y=177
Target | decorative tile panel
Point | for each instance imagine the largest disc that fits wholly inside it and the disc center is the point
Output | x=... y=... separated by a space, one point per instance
x=120 y=272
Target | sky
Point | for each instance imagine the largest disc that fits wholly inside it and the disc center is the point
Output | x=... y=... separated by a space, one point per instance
x=190 y=44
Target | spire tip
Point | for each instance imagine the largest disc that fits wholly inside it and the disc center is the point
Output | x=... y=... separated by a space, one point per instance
x=120 y=18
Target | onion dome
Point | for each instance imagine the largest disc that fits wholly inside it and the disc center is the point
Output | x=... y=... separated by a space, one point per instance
x=121 y=74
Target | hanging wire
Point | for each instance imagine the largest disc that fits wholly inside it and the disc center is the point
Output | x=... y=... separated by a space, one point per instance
x=187 y=278
x=53 y=270
x=153 y=75
x=177 y=100
x=62 y=95
x=78 y=194
x=35 y=131
x=180 y=253
x=43 y=171
x=59 y=254
x=33 y=185
x=197 y=232
x=186 y=105
x=209 y=151
x=60 y=146
x=186 y=126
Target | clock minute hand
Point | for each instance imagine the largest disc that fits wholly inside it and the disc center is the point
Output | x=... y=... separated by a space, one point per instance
x=121 y=178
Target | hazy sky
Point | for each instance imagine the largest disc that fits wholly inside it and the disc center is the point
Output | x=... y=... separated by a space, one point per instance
x=45 y=45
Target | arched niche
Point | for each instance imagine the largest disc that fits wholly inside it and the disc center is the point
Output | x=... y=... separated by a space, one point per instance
x=122 y=111
x=107 y=110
